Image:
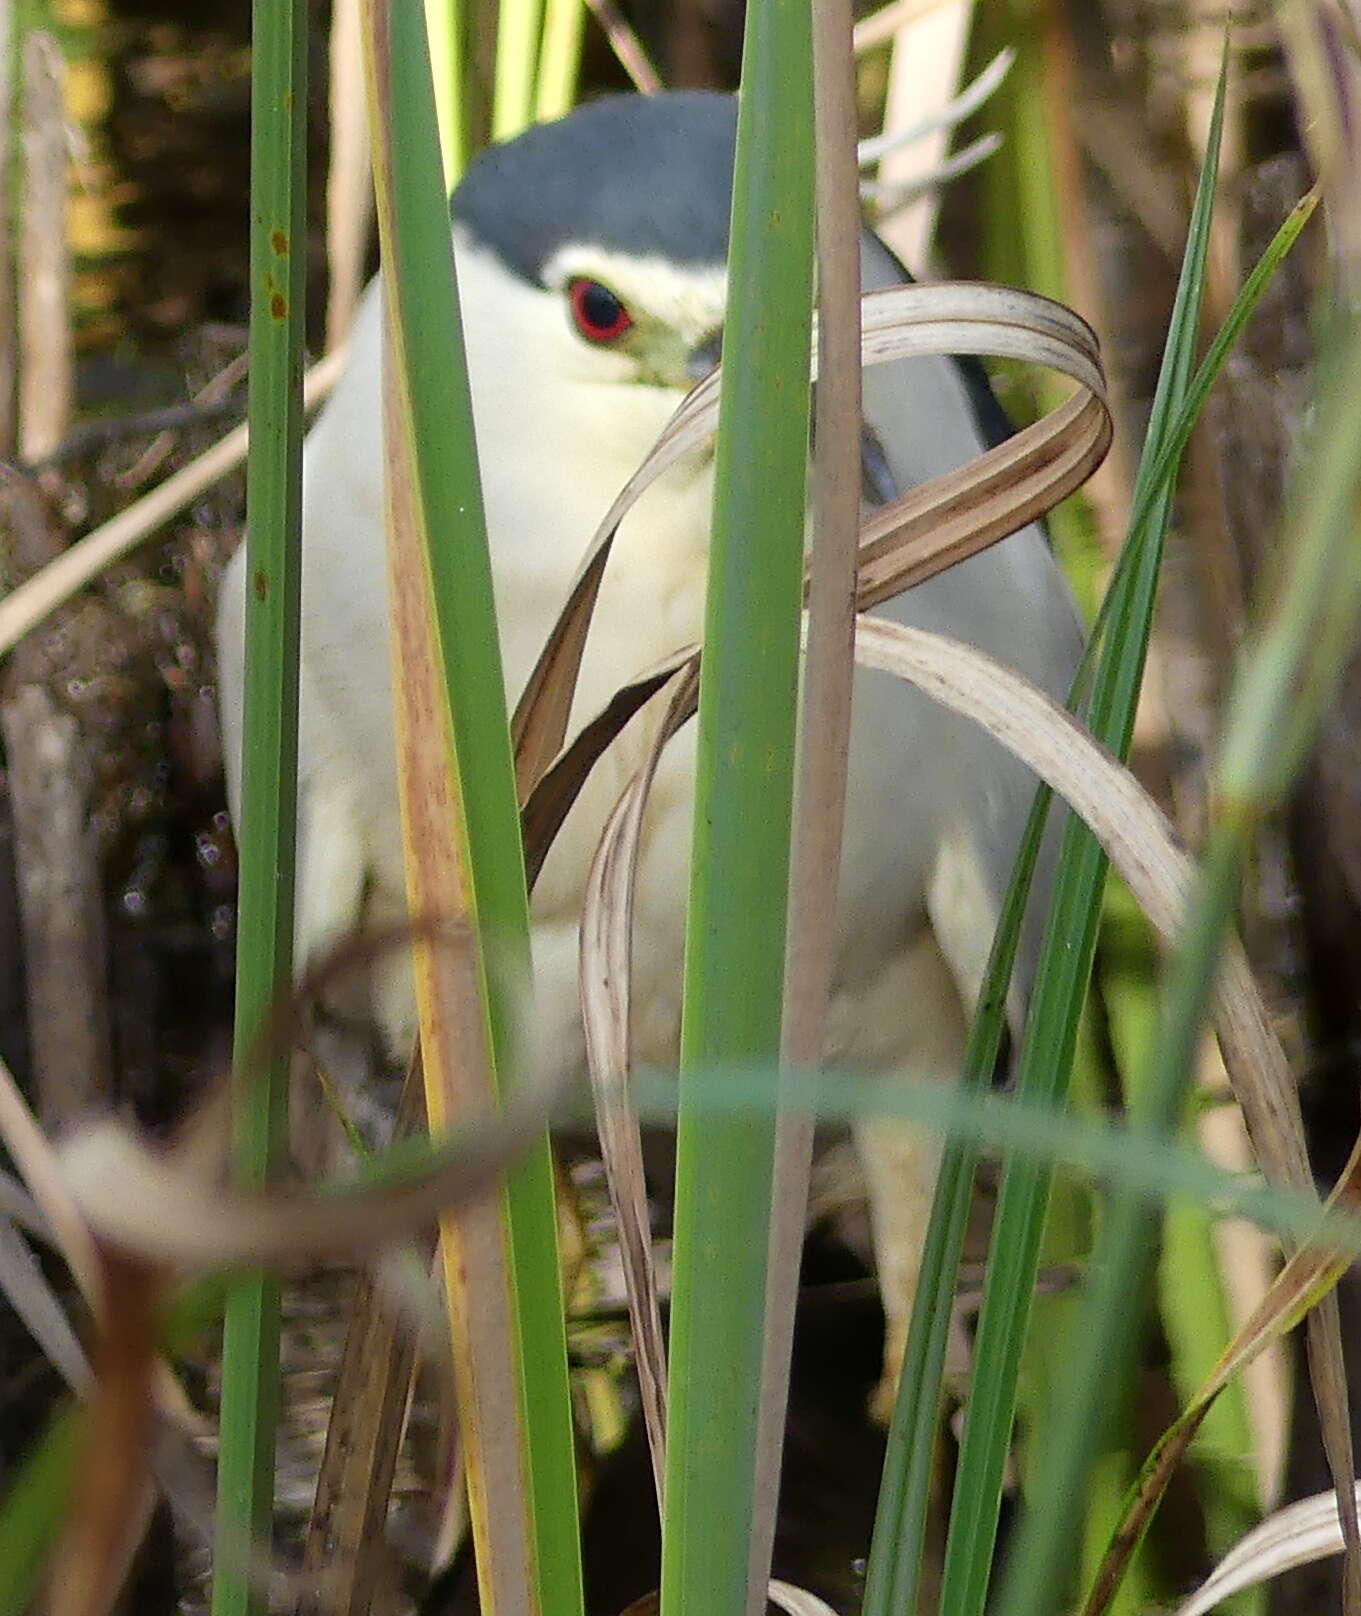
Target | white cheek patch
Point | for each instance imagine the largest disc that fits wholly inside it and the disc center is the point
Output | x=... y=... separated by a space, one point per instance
x=513 y=329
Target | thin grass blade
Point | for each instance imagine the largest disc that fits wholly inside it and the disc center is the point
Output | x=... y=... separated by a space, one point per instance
x=735 y=931
x=1267 y=727
x=893 y=1574
x=564 y=23
x=519 y=29
x=32 y=1509
x=444 y=23
x=269 y=754
x=1060 y=987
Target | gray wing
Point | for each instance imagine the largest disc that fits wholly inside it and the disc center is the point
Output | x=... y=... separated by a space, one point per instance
x=927 y=416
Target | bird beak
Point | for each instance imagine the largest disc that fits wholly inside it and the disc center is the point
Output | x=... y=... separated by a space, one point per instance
x=703 y=358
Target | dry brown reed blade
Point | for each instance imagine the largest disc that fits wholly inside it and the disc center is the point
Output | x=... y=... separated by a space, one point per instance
x=346 y=1537
x=929 y=529
x=606 y=923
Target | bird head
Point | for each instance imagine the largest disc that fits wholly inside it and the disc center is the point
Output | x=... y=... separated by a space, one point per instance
x=593 y=249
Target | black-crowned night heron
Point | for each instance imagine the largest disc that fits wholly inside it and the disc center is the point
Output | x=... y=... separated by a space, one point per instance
x=591 y=267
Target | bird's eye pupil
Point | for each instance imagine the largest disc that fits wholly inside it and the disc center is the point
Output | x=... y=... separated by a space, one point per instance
x=598 y=313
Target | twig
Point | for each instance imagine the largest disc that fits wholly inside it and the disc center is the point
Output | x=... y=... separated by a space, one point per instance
x=928 y=57
x=210 y=401
x=60 y=902
x=349 y=179
x=31 y=603
x=346 y=1534
x=8 y=355
x=627 y=47
x=91 y=436
x=45 y=369
x=881 y=26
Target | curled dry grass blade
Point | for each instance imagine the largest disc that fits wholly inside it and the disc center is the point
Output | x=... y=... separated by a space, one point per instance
x=606 y=931
x=1134 y=832
x=1141 y=844
x=1295 y=1536
x=1044 y=463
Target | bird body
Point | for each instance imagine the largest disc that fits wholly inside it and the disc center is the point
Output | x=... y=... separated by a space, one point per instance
x=623 y=207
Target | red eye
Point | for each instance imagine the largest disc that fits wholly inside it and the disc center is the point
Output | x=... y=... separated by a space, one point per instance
x=598 y=313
